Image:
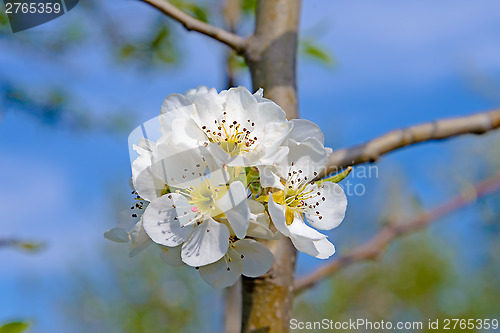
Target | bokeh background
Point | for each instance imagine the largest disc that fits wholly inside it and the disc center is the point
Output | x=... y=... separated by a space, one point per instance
x=72 y=89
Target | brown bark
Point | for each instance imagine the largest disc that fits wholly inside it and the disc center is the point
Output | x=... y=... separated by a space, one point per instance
x=271 y=56
x=438 y=130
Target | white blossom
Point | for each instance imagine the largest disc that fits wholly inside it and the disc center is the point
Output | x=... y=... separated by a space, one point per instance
x=196 y=199
x=298 y=196
x=224 y=171
x=237 y=127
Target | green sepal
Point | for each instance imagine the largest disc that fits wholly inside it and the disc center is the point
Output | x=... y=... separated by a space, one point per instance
x=336 y=178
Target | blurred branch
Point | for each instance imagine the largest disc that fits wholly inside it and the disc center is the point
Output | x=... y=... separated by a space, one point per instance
x=190 y=23
x=374 y=247
x=231 y=13
x=23 y=245
x=438 y=130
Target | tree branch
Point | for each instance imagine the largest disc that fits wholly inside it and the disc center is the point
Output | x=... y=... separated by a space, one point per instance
x=190 y=23
x=438 y=130
x=20 y=244
x=375 y=246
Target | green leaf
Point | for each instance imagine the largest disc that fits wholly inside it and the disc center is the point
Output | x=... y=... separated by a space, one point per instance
x=30 y=247
x=15 y=327
x=200 y=13
x=314 y=51
x=336 y=178
x=126 y=51
x=237 y=62
x=248 y=6
x=193 y=9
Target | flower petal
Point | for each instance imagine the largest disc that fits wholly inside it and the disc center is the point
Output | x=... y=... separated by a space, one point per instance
x=171 y=255
x=303 y=129
x=321 y=249
x=140 y=239
x=207 y=243
x=186 y=131
x=257 y=259
x=277 y=213
x=145 y=183
x=118 y=235
x=218 y=275
x=161 y=223
x=299 y=228
x=332 y=209
x=175 y=102
x=234 y=205
x=268 y=177
x=259 y=222
x=325 y=248
x=178 y=166
x=309 y=157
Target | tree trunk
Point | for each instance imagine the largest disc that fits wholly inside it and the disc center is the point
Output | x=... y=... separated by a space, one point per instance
x=271 y=57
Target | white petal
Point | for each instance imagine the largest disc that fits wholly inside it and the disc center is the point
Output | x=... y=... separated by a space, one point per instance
x=239 y=103
x=240 y=160
x=186 y=131
x=275 y=155
x=259 y=222
x=218 y=153
x=303 y=129
x=270 y=112
x=259 y=94
x=192 y=93
x=257 y=259
x=118 y=235
x=277 y=213
x=321 y=249
x=178 y=166
x=175 y=102
x=332 y=210
x=209 y=106
x=268 y=177
x=299 y=228
x=325 y=248
x=149 y=130
x=259 y=228
x=309 y=156
x=256 y=207
x=207 y=243
x=171 y=255
x=161 y=223
x=218 y=275
x=145 y=183
x=234 y=205
x=140 y=239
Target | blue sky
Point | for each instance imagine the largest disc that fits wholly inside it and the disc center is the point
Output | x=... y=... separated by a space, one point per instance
x=397 y=63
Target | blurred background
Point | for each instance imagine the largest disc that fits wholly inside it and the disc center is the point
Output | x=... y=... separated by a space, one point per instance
x=72 y=89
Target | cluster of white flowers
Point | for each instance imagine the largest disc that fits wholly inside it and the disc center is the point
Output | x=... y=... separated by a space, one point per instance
x=228 y=169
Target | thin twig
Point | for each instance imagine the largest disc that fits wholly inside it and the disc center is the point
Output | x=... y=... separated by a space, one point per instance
x=21 y=244
x=374 y=247
x=190 y=23
x=438 y=130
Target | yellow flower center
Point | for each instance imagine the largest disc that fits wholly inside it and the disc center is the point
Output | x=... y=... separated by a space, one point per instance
x=297 y=191
x=233 y=138
x=204 y=196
